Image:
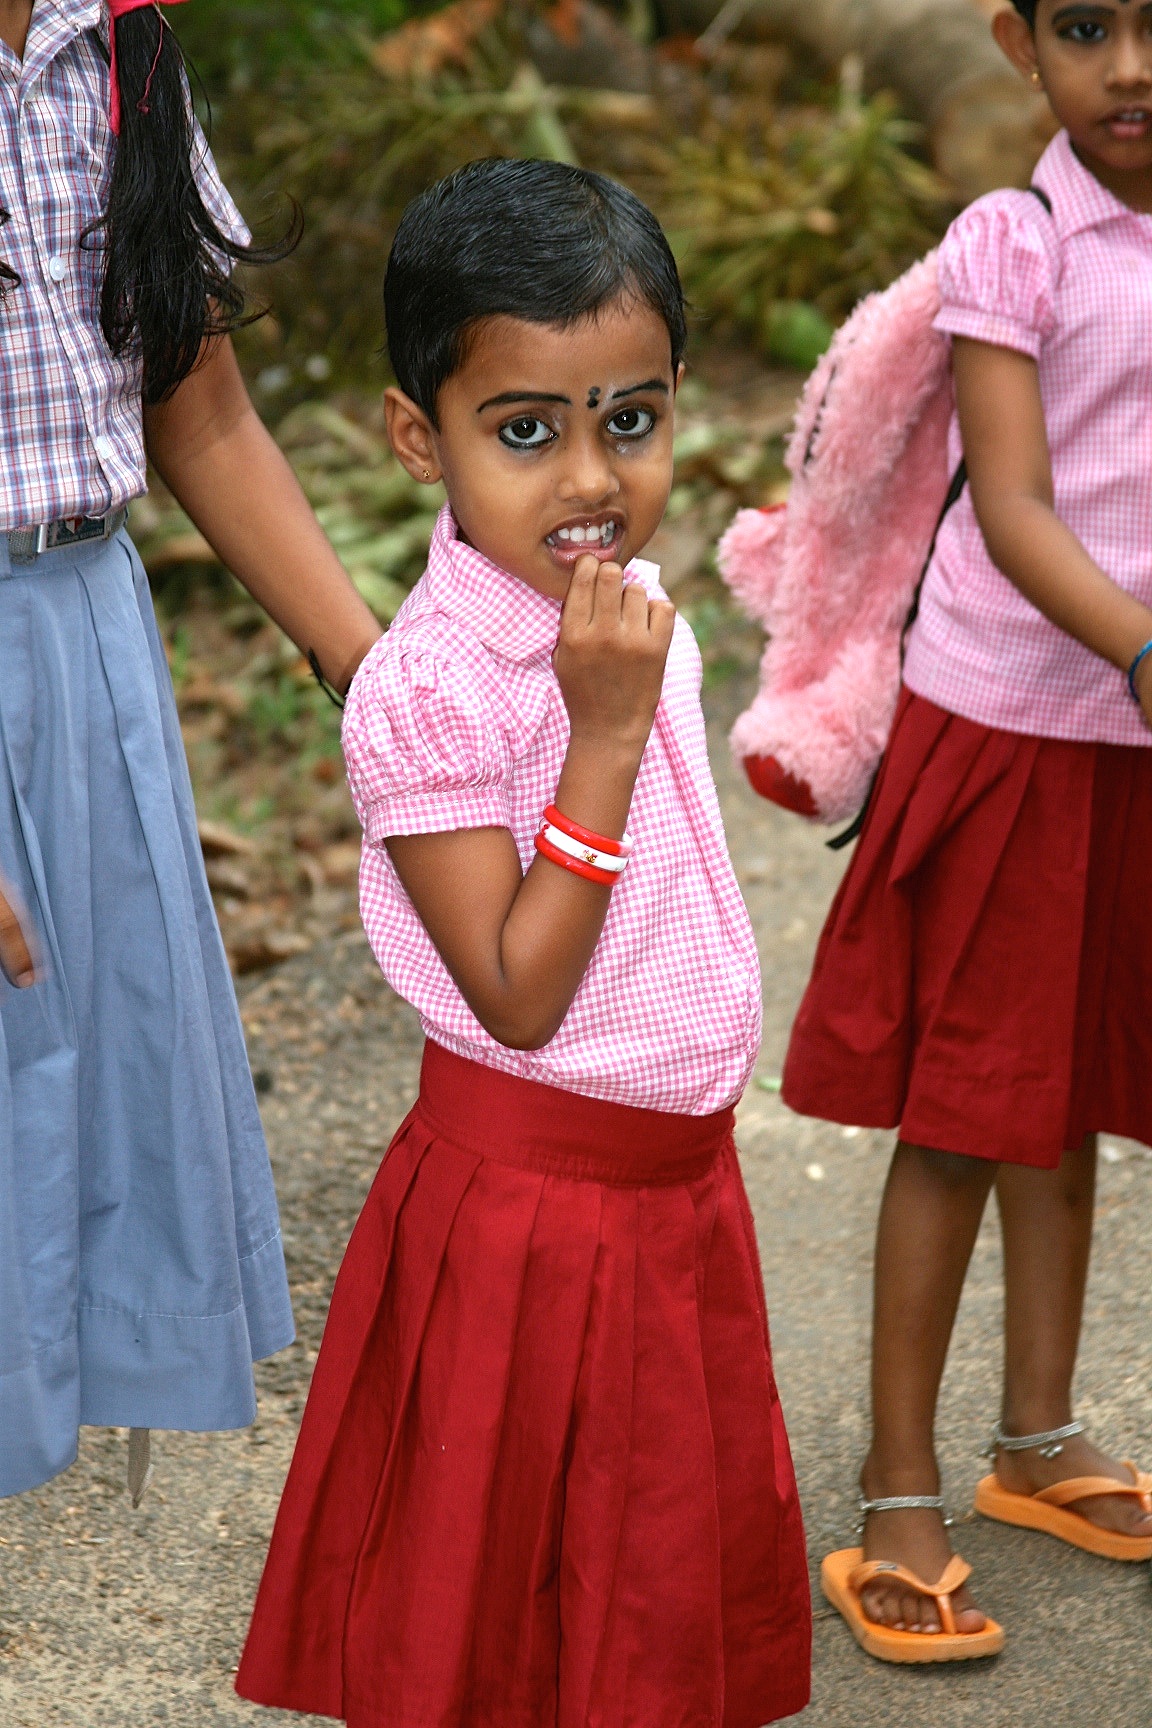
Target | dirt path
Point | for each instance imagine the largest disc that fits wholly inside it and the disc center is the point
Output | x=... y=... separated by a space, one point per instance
x=110 y=1618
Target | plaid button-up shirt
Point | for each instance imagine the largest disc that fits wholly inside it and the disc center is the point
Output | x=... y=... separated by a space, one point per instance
x=456 y=720
x=1074 y=291
x=70 y=414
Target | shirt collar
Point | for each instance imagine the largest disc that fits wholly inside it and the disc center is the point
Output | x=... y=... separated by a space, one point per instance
x=56 y=23
x=508 y=616
x=1079 y=201
x=77 y=14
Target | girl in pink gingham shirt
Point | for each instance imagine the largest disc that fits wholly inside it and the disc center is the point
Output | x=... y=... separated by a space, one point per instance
x=543 y=1476
x=984 y=980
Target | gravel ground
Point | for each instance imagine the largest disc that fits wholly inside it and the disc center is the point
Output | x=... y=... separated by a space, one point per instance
x=110 y=1617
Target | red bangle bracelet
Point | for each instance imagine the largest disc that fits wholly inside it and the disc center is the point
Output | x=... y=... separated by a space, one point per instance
x=576 y=865
x=587 y=836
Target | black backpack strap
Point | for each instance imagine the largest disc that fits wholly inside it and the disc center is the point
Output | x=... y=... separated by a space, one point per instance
x=955 y=486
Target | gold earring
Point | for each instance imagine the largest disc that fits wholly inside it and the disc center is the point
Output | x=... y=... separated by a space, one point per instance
x=427 y=474
x=1036 y=77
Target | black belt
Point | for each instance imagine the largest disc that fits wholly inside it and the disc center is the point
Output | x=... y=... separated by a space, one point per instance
x=27 y=544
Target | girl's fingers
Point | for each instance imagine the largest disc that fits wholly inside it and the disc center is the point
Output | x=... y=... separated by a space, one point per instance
x=661 y=621
x=580 y=600
x=16 y=959
x=609 y=599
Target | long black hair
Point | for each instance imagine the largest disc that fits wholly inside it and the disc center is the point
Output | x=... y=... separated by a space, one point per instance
x=167 y=283
x=530 y=239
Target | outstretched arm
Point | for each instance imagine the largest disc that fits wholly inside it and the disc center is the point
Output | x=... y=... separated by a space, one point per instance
x=518 y=945
x=1010 y=475
x=220 y=462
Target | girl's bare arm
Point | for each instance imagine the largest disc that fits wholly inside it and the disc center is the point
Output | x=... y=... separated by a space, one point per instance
x=519 y=944
x=216 y=456
x=1010 y=475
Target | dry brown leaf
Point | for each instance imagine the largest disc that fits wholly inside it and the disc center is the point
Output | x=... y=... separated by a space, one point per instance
x=565 y=20
x=424 y=46
x=219 y=841
x=227 y=877
x=341 y=864
x=256 y=952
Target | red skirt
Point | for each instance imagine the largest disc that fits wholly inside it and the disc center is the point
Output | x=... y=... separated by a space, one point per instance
x=984 y=979
x=542 y=1479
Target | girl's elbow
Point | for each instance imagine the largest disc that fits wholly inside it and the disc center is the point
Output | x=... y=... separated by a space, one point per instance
x=520 y=1031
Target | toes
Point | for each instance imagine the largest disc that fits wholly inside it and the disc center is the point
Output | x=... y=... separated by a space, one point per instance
x=1112 y=1512
x=970 y=1620
x=875 y=1605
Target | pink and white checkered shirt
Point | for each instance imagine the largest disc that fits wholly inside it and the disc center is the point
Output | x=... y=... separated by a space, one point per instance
x=1073 y=290
x=70 y=414
x=455 y=720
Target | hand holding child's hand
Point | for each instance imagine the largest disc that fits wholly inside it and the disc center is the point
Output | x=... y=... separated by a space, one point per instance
x=611 y=654
x=16 y=958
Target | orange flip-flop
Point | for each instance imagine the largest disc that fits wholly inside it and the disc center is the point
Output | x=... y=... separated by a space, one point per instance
x=846 y=1573
x=1046 y=1511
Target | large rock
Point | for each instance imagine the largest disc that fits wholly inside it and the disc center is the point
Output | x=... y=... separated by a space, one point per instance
x=985 y=126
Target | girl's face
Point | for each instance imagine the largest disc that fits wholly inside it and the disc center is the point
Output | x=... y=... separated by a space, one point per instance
x=1094 y=58
x=551 y=442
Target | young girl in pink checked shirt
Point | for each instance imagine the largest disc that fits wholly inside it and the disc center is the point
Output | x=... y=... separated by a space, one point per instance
x=543 y=1478
x=985 y=976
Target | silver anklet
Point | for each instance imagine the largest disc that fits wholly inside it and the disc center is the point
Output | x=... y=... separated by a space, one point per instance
x=904 y=1503
x=1049 y=1444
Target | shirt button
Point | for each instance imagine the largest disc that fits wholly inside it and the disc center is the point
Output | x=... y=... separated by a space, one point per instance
x=58 y=268
x=105 y=449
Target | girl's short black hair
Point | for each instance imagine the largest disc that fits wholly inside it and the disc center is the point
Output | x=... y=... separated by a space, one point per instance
x=1027 y=10
x=541 y=241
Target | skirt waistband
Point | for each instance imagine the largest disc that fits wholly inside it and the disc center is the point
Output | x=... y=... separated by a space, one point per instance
x=556 y=1133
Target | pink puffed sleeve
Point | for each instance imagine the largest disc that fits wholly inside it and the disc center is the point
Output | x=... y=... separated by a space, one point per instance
x=997 y=268
x=423 y=745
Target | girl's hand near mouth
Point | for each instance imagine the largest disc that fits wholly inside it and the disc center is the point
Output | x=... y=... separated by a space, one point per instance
x=611 y=655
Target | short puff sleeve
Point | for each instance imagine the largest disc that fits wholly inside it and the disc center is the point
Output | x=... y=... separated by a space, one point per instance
x=997 y=270
x=423 y=745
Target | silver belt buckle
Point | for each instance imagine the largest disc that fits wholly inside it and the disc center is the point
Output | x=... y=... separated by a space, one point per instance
x=25 y=545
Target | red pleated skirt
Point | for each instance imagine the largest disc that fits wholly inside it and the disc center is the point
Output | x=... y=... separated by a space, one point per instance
x=542 y=1479
x=984 y=979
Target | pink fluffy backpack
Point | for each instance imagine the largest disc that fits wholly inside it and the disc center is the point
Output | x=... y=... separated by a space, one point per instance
x=834 y=575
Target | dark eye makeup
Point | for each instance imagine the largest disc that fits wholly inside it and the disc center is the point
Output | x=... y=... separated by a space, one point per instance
x=526 y=432
x=631 y=423
x=1086 y=30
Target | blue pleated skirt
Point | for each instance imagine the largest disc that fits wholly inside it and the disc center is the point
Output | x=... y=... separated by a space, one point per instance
x=141 y=1266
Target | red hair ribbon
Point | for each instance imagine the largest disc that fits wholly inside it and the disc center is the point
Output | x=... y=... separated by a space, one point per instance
x=120 y=9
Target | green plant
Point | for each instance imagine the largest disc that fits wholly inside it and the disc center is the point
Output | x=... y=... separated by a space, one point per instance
x=354 y=147
x=797 y=215
x=236 y=45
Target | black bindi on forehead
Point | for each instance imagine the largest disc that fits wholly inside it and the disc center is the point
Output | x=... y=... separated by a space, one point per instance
x=594 y=396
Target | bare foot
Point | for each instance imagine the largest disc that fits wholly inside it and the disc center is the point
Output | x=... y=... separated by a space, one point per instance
x=1025 y=1472
x=918 y=1540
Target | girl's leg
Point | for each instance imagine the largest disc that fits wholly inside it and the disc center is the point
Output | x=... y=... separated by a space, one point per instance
x=929 y=1217
x=1046 y=1218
